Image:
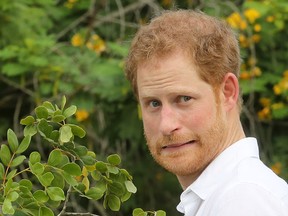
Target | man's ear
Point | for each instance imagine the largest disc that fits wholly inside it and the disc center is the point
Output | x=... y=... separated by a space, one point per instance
x=230 y=90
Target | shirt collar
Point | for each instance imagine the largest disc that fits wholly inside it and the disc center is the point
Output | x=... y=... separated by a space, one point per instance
x=221 y=166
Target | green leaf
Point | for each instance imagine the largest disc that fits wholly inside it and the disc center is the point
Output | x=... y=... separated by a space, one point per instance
x=101 y=166
x=7 y=207
x=55 y=157
x=81 y=150
x=88 y=160
x=69 y=179
x=26 y=193
x=26 y=183
x=2 y=171
x=65 y=159
x=112 y=169
x=30 y=130
x=117 y=188
x=18 y=160
x=130 y=187
x=65 y=134
x=118 y=49
x=36 y=168
x=46 y=179
x=113 y=202
x=126 y=196
x=95 y=193
x=8 y=186
x=34 y=157
x=11 y=174
x=55 y=135
x=70 y=111
x=77 y=131
x=41 y=112
x=58 y=181
x=160 y=213
x=55 y=193
x=96 y=175
x=45 y=211
x=63 y=102
x=138 y=212
x=44 y=128
x=126 y=173
x=72 y=169
x=58 y=118
x=280 y=113
x=24 y=144
x=12 y=140
x=12 y=196
x=114 y=159
x=14 y=69
x=49 y=106
x=5 y=154
x=29 y=120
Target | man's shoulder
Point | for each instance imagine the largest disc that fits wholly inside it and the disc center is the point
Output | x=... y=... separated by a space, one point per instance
x=254 y=173
x=248 y=198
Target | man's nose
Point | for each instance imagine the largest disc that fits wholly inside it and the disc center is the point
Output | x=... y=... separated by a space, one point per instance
x=169 y=120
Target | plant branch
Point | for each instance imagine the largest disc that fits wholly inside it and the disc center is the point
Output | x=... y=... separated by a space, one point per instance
x=17 y=86
x=66 y=201
x=124 y=10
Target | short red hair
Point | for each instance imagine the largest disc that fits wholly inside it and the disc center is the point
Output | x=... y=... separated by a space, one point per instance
x=209 y=41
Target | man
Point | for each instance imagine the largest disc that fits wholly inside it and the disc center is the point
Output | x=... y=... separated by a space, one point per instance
x=184 y=69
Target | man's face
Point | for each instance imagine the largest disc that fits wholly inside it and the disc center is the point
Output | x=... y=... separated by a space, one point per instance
x=183 y=124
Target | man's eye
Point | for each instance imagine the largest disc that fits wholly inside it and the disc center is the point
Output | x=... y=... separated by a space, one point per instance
x=154 y=103
x=185 y=98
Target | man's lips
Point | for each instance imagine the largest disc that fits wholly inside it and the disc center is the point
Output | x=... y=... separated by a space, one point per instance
x=177 y=145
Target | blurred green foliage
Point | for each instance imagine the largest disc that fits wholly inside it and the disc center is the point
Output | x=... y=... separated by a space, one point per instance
x=77 y=48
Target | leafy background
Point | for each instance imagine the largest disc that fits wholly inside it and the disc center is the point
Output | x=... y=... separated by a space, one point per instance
x=77 y=48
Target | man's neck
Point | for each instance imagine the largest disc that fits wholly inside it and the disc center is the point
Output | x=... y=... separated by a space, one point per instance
x=235 y=134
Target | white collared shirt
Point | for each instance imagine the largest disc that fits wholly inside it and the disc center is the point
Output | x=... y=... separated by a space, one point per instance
x=236 y=183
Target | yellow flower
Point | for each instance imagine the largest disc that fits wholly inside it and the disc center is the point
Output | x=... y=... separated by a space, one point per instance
x=252 y=61
x=96 y=44
x=276 y=106
x=270 y=19
x=235 y=21
x=243 y=41
x=77 y=40
x=265 y=102
x=243 y=67
x=245 y=75
x=277 y=168
x=256 y=71
x=285 y=74
x=251 y=15
x=243 y=25
x=81 y=115
x=257 y=28
x=99 y=47
x=256 y=38
x=89 y=45
x=277 y=89
x=284 y=84
x=264 y=114
x=70 y=3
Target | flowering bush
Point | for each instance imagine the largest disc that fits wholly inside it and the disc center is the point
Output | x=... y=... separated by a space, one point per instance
x=261 y=26
x=262 y=30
